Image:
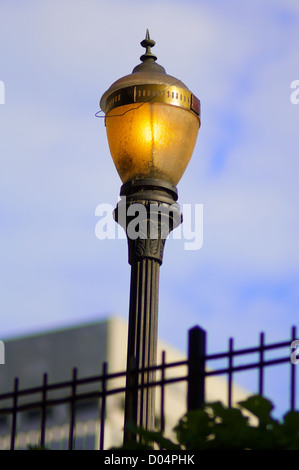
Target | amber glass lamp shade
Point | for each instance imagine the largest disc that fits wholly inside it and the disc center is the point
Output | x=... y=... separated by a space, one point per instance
x=154 y=140
x=152 y=121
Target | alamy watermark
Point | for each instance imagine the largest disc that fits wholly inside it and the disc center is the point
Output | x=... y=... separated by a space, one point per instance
x=2 y=353
x=2 y=92
x=136 y=215
x=295 y=94
x=295 y=354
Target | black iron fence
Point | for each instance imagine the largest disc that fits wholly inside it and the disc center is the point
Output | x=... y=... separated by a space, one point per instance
x=194 y=372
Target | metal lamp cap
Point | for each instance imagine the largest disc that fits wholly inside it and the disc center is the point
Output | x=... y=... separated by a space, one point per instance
x=149 y=82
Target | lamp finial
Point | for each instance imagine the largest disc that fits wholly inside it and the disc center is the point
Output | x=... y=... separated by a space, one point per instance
x=147 y=43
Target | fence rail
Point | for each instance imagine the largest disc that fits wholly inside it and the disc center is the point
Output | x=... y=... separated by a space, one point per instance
x=196 y=373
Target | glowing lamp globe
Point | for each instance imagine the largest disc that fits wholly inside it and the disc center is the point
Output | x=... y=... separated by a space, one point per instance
x=152 y=121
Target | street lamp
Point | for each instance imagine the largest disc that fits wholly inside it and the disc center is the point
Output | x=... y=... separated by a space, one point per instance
x=152 y=121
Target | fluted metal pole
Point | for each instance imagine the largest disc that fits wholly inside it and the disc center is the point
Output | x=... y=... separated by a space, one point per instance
x=156 y=200
x=142 y=343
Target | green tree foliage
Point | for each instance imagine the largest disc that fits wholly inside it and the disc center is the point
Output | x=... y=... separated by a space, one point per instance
x=217 y=427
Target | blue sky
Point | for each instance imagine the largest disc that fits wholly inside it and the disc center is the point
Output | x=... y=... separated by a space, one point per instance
x=57 y=58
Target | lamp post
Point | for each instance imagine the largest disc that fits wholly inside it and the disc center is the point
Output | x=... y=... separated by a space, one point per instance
x=152 y=121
